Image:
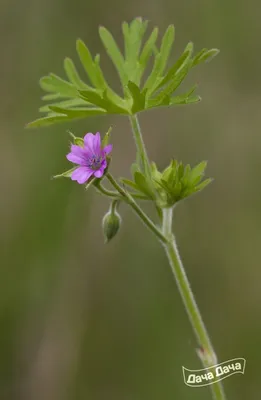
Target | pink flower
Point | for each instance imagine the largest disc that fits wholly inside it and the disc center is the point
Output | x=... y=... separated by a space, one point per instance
x=91 y=158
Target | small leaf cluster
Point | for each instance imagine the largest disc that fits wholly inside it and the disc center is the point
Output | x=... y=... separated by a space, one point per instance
x=73 y=98
x=167 y=188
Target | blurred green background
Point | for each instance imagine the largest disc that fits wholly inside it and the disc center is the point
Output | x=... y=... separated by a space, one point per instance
x=81 y=320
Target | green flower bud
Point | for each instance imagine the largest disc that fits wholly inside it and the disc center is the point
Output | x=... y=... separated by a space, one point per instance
x=111 y=222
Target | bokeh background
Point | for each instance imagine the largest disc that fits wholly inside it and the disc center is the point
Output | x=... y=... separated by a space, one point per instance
x=84 y=320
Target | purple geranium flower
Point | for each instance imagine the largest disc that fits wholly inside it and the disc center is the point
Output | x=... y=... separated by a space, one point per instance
x=91 y=158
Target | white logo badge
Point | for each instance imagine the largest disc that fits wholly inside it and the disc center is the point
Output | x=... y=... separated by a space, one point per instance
x=207 y=376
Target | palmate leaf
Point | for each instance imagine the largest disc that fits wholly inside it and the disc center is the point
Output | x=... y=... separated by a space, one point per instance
x=74 y=98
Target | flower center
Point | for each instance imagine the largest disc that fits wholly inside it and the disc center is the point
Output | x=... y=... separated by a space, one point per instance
x=94 y=162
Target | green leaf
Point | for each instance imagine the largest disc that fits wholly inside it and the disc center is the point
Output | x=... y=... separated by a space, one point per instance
x=49 y=120
x=102 y=101
x=66 y=174
x=165 y=48
x=130 y=183
x=197 y=172
x=93 y=97
x=53 y=83
x=150 y=82
x=65 y=104
x=51 y=96
x=73 y=75
x=160 y=61
x=77 y=140
x=78 y=112
x=116 y=104
x=137 y=96
x=87 y=62
x=203 y=184
x=135 y=34
x=148 y=48
x=205 y=55
x=113 y=52
x=134 y=168
x=179 y=65
x=184 y=100
x=127 y=42
x=186 y=175
x=175 y=83
x=106 y=137
x=143 y=185
x=101 y=81
x=156 y=175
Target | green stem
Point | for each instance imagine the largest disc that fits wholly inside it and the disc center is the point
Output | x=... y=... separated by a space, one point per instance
x=116 y=195
x=107 y=192
x=189 y=300
x=141 y=149
x=147 y=221
x=167 y=239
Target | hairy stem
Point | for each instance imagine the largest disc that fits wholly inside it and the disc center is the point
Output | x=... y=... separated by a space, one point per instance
x=167 y=239
x=189 y=300
x=109 y=193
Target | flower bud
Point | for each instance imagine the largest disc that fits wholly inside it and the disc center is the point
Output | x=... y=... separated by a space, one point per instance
x=111 y=222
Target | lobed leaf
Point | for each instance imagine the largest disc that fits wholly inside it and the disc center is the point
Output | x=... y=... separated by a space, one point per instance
x=114 y=53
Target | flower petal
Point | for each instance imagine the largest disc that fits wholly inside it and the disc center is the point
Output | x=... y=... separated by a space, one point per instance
x=90 y=142
x=107 y=149
x=81 y=174
x=100 y=171
x=75 y=159
x=97 y=143
x=77 y=150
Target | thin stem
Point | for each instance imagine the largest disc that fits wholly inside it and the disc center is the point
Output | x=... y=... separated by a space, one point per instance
x=189 y=300
x=147 y=221
x=141 y=149
x=107 y=192
x=167 y=238
x=116 y=195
